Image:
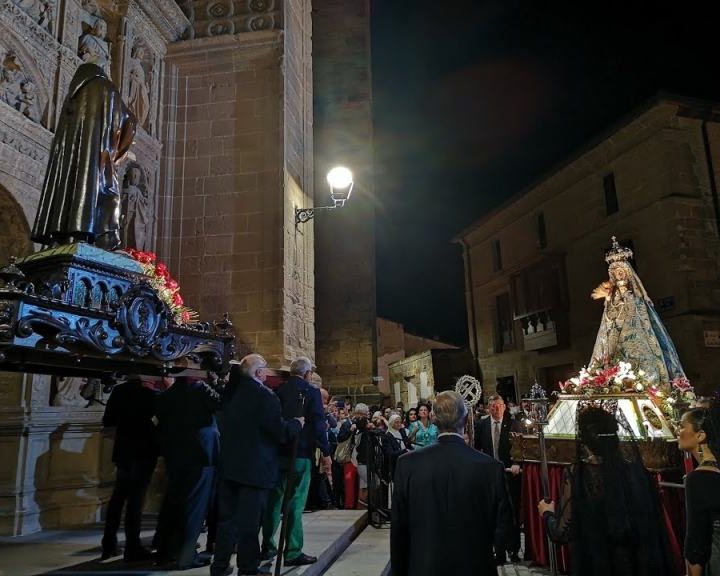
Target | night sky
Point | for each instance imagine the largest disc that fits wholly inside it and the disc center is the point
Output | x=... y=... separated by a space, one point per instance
x=474 y=101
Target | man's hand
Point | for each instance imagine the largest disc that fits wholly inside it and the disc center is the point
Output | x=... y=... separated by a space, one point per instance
x=546 y=507
x=301 y=419
x=515 y=469
x=326 y=466
x=353 y=428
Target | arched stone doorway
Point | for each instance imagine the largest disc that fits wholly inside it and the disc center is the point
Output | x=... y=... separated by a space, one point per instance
x=14 y=229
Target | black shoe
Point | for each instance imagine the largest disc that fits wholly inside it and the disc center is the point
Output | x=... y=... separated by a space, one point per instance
x=197 y=562
x=137 y=555
x=110 y=552
x=302 y=560
x=267 y=555
x=514 y=557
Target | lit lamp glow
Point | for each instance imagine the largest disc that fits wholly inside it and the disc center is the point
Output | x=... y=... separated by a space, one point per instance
x=340 y=180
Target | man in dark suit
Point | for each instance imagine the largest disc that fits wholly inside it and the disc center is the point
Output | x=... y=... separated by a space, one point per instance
x=298 y=398
x=130 y=410
x=251 y=431
x=493 y=437
x=190 y=445
x=449 y=505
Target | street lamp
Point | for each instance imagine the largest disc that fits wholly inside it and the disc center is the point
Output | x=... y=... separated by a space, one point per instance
x=340 y=180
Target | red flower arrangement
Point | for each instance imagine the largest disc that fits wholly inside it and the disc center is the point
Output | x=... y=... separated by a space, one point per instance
x=166 y=286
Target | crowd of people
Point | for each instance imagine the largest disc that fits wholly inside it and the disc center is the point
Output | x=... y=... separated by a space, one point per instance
x=238 y=454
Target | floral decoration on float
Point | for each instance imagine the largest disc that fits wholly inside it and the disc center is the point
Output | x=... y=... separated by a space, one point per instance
x=622 y=378
x=167 y=288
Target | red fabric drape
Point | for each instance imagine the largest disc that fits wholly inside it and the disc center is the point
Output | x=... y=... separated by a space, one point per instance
x=536 y=547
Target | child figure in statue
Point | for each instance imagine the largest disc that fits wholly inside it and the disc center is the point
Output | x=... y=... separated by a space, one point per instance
x=631 y=330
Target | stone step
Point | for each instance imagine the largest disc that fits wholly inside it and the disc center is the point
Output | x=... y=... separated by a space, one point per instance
x=368 y=555
x=73 y=552
x=328 y=534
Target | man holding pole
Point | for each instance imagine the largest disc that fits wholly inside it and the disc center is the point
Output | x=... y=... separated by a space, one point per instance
x=298 y=398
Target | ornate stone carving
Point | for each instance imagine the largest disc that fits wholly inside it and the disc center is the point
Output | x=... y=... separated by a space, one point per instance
x=219 y=17
x=70 y=391
x=41 y=11
x=139 y=83
x=17 y=88
x=93 y=46
x=136 y=209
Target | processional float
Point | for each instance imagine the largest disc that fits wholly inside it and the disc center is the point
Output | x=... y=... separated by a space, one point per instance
x=81 y=306
x=634 y=373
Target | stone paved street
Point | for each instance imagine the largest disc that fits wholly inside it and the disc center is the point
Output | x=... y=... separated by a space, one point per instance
x=522 y=570
x=337 y=537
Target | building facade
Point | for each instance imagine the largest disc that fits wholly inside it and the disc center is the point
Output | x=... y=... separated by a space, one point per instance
x=224 y=155
x=395 y=344
x=651 y=181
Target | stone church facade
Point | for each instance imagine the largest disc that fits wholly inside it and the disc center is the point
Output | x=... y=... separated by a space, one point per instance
x=225 y=153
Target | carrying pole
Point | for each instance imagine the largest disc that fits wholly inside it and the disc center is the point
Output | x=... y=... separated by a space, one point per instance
x=288 y=495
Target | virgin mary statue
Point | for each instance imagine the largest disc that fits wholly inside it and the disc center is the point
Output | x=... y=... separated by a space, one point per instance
x=631 y=330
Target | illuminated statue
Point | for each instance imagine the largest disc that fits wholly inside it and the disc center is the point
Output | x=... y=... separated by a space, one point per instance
x=80 y=200
x=631 y=330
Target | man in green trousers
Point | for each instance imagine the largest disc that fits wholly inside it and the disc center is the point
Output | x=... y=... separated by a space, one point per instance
x=312 y=437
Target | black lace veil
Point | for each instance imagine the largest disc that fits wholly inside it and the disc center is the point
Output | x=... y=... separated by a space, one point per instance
x=610 y=510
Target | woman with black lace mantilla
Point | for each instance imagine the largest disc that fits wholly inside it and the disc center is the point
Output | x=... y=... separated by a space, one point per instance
x=609 y=510
x=699 y=434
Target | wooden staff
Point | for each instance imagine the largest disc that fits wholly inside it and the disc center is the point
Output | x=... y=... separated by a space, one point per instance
x=289 y=493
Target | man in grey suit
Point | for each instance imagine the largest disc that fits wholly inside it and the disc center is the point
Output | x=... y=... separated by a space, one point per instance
x=450 y=504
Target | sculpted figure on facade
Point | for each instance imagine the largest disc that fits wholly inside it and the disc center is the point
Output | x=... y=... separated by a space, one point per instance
x=80 y=199
x=70 y=392
x=93 y=45
x=136 y=210
x=16 y=88
x=139 y=90
x=41 y=11
x=10 y=79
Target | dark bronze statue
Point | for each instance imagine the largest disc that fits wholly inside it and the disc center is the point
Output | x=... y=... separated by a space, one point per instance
x=80 y=199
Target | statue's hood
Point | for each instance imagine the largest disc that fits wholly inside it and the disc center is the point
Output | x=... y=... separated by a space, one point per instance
x=84 y=74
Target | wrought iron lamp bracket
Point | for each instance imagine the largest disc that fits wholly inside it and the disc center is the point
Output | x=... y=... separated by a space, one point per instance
x=303 y=215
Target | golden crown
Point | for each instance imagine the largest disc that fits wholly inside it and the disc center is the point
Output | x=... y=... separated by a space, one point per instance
x=618 y=253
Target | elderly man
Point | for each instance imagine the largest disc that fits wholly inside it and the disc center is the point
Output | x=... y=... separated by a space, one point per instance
x=251 y=431
x=298 y=398
x=450 y=503
x=492 y=436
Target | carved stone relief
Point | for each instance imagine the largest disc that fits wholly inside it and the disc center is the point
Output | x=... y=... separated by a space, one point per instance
x=41 y=11
x=17 y=87
x=93 y=45
x=136 y=209
x=220 y=17
x=72 y=391
x=140 y=75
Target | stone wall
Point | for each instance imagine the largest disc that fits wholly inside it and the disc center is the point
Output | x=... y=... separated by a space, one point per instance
x=666 y=209
x=238 y=160
x=345 y=238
